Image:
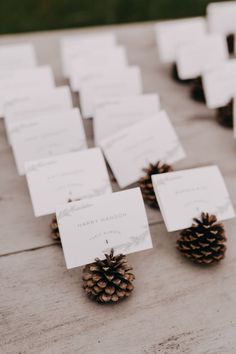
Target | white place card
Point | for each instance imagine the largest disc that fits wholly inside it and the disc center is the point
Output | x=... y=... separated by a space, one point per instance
x=184 y=195
x=132 y=149
x=220 y=84
x=46 y=135
x=89 y=64
x=111 y=117
x=92 y=227
x=12 y=82
x=221 y=17
x=17 y=56
x=171 y=34
x=200 y=55
x=72 y=46
x=121 y=83
x=57 y=179
x=31 y=103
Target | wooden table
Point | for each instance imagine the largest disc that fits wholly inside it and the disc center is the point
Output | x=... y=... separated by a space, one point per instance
x=177 y=307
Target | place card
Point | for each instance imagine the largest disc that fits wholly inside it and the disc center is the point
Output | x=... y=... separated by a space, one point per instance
x=199 y=55
x=220 y=84
x=92 y=62
x=13 y=82
x=17 y=56
x=171 y=34
x=184 y=195
x=36 y=102
x=221 y=17
x=124 y=111
x=112 y=84
x=92 y=227
x=133 y=148
x=73 y=46
x=71 y=176
x=46 y=135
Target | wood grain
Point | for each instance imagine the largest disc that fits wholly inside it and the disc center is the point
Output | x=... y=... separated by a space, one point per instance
x=177 y=307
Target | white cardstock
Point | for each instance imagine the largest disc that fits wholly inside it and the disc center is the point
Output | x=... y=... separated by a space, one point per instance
x=120 y=83
x=184 y=195
x=133 y=148
x=171 y=34
x=92 y=227
x=17 y=56
x=55 y=180
x=221 y=17
x=73 y=46
x=46 y=135
x=13 y=82
x=32 y=103
x=112 y=117
x=220 y=84
x=91 y=63
x=203 y=54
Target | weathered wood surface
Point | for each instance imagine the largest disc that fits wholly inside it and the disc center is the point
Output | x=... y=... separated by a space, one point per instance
x=177 y=307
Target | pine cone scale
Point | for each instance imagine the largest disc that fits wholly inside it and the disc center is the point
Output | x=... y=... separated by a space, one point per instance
x=145 y=182
x=204 y=241
x=109 y=280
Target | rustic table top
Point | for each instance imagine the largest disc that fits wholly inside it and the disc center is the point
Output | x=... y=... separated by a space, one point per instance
x=177 y=307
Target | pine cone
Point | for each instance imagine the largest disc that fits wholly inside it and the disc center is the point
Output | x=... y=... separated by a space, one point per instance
x=145 y=182
x=225 y=115
x=204 y=241
x=176 y=77
x=197 y=92
x=230 y=43
x=109 y=280
x=55 y=234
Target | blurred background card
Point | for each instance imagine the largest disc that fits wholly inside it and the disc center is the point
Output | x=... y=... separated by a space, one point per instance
x=133 y=148
x=123 y=82
x=171 y=34
x=17 y=56
x=46 y=135
x=219 y=84
x=57 y=179
x=197 y=56
x=111 y=118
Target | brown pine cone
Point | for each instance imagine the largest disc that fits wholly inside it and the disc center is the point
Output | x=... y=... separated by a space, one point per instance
x=230 y=43
x=176 y=77
x=55 y=234
x=225 y=115
x=197 y=91
x=145 y=182
x=109 y=280
x=204 y=241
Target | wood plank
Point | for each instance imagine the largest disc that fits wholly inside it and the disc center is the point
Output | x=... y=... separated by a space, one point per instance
x=176 y=307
